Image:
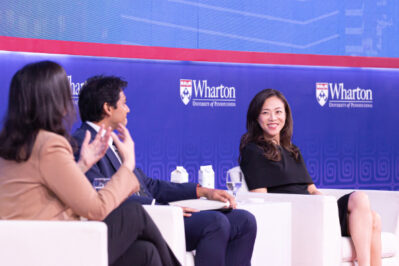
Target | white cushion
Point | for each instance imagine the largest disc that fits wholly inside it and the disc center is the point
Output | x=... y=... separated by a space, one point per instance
x=389 y=247
x=49 y=243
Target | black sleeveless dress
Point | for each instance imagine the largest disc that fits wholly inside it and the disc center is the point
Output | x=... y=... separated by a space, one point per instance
x=285 y=176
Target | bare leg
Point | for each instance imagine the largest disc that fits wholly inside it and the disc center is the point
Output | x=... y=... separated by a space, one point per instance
x=360 y=226
x=376 y=240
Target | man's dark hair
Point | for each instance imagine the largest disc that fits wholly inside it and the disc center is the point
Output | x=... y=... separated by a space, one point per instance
x=95 y=92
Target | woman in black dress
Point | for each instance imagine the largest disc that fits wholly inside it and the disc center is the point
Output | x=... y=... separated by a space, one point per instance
x=271 y=163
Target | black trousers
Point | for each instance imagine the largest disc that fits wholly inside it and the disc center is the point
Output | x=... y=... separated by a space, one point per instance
x=134 y=239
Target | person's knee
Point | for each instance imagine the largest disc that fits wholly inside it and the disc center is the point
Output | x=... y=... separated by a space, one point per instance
x=359 y=200
x=140 y=252
x=376 y=222
x=249 y=222
x=148 y=252
x=220 y=224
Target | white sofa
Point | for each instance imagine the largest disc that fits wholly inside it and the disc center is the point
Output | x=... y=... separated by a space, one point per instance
x=77 y=243
x=315 y=232
x=49 y=243
x=274 y=236
x=316 y=238
x=272 y=242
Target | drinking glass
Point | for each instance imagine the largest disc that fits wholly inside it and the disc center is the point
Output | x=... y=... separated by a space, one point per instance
x=234 y=181
x=99 y=182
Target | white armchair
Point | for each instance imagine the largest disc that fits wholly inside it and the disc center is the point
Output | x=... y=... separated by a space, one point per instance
x=386 y=203
x=316 y=238
x=49 y=243
x=314 y=242
x=78 y=243
x=275 y=235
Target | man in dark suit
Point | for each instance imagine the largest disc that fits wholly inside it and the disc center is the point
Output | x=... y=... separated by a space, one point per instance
x=219 y=237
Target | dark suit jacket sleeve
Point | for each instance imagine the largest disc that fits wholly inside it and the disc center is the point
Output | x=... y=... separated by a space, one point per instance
x=78 y=137
x=164 y=191
x=94 y=171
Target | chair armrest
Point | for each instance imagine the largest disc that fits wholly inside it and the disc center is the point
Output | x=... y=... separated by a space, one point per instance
x=316 y=235
x=169 y=220
x=48 y=243
x=273 y=238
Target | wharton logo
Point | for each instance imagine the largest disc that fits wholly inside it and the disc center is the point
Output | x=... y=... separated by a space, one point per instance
x=75 y=88
x=322 y=93
x=338 y=96
x=186 y=88
x=203 y=95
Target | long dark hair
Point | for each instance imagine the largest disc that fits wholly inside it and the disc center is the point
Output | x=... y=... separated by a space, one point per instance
x=255 y=133
x=39 y=98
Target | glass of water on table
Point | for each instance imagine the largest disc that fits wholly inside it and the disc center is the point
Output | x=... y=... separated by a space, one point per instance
x=234 y=181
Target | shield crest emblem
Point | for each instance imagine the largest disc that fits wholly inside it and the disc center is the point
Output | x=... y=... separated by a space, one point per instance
x=186 y=88
x=322 y=93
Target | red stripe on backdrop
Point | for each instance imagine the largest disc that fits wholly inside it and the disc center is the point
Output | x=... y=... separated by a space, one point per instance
x=184 y=54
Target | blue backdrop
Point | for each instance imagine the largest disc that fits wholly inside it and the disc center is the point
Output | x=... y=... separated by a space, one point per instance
x=351 y=141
